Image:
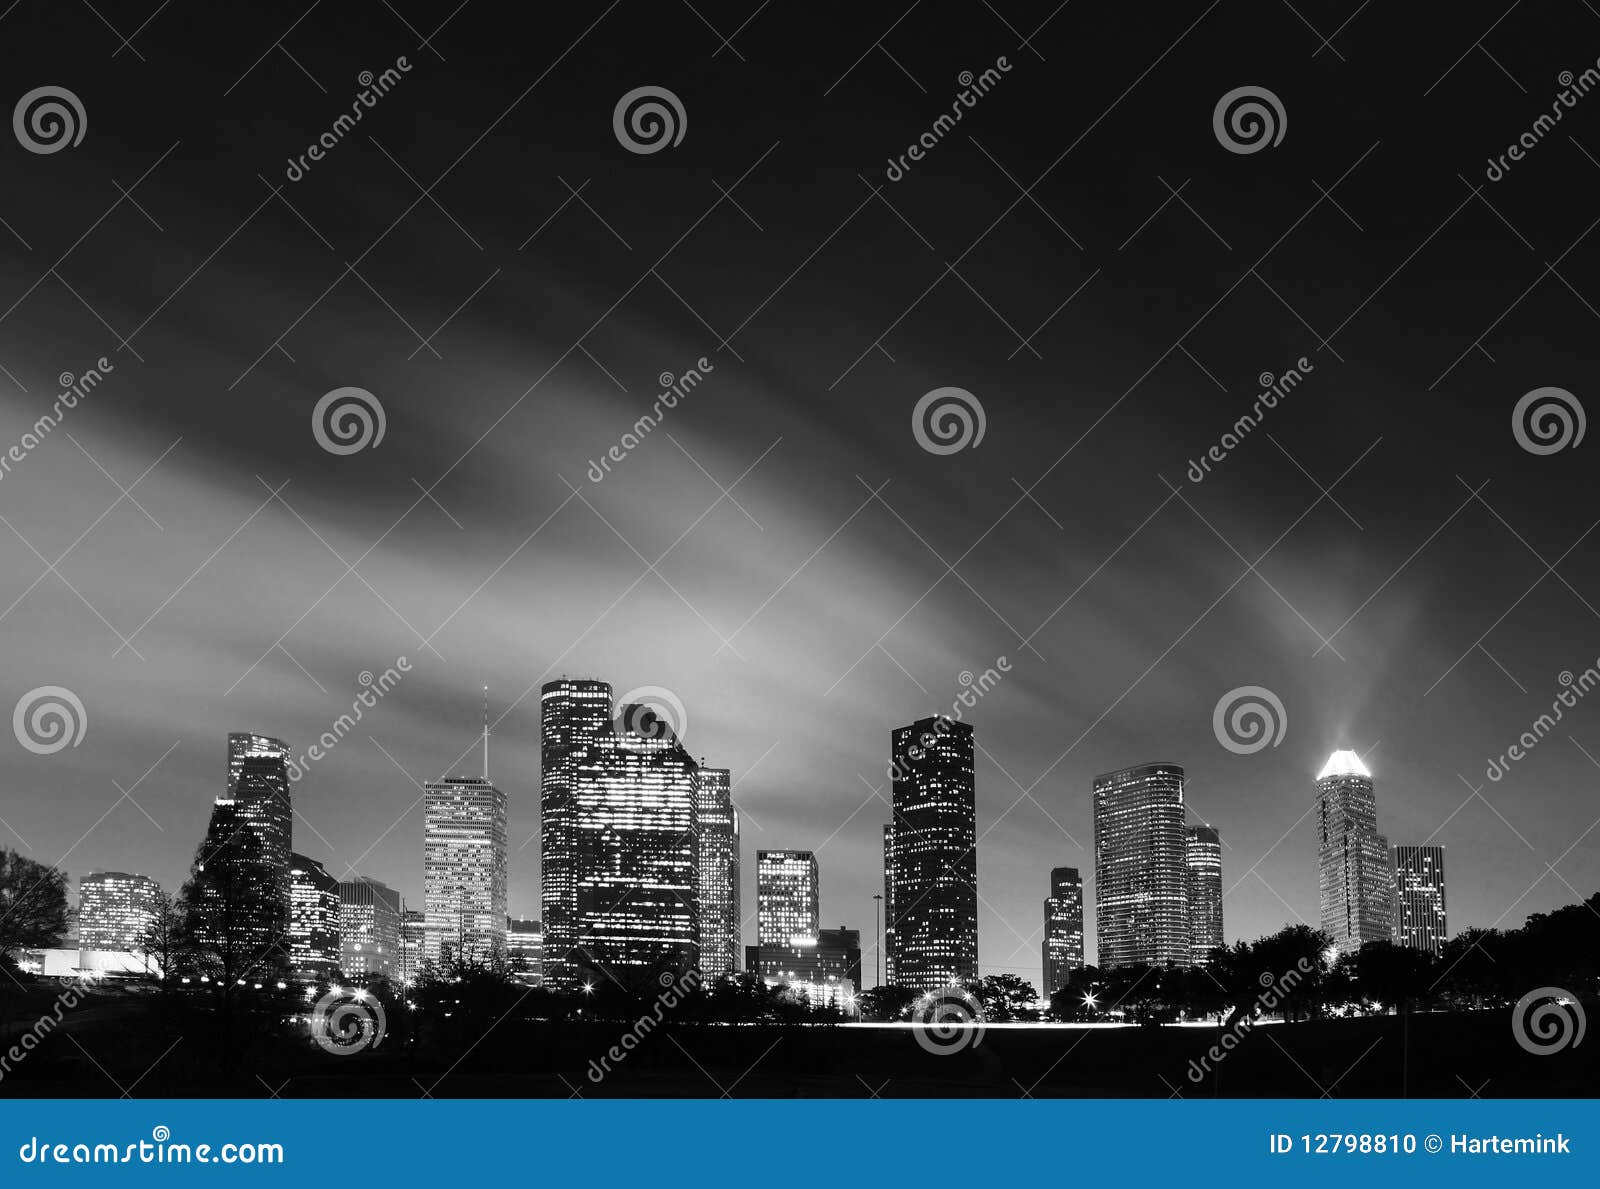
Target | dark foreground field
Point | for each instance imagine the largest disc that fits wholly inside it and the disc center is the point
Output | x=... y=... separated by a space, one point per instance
x=114 y=1044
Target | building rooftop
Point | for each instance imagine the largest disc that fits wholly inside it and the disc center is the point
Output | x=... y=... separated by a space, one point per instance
x=1344 y=763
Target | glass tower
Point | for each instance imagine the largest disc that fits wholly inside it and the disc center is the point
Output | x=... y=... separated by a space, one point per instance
x=788 y=911
x=1419 y=919
x=314 y=926
x=574 y=714
x=464 y=869
x=1355 y=874
x=369 y=920
x=717 y=830
x=931 y=857
x=1204 y=850
x=1141 y=868
x=114 y=909
x=1063 y=928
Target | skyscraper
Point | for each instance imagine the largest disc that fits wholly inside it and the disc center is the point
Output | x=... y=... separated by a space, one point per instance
x=314 y=925
x=413 y=941
x=788 y=916
x=1204 y=851
x=1063 y=928
x=886 y=938
x=525 y=950
x=240 y=882
x=369 y=924
x=464 y=868
x=1141 y=869
x=717 y=831
x=574 y=714
x=1419 y=919
x=931 y=854
x=114 y=909
x=1355 y=874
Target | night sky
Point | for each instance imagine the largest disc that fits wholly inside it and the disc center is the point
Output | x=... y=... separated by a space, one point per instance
x=510 y=282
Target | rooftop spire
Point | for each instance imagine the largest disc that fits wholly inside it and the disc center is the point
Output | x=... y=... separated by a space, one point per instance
x=486 y=734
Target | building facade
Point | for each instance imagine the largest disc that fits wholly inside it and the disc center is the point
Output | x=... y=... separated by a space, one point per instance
x=1141 y=869
x=114 y=910
x=931 y=857
x=1419 y=918
x=717 y=835
x=464 y=869
x=413 y=941
x=314 y=919
x=525 y=950
x=1355 y=873
x=369 y=919
x=1203 y=849
x=574 y=715
x=1063 y=929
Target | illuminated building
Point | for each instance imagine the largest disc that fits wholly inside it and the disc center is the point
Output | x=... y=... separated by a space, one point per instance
x=931 y=876
x=464 y=868
x=525 y=950
x=887 y=957
x=1203 y=847
x=1419 y=919
x=369 y=920
x=314 y=925
x=114 y=910
x=1355 y=873
x=240 y=881
x=1063 y=928
x=717 y=835
x=574 y=715
x=413 y=935
x=787 y=912
x=1141 y=869
x=838 y=955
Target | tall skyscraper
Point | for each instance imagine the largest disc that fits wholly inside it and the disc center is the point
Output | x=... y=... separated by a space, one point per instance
x=717 y=831
x=114 y=910
x=1141 y=868
x=788 y=916
x=413 y=941
x=525 y=950
x=240 y=881
x=314 y=924
x=1355 y=874
x=1063 y=928
x=464 y=868
x=369 y=925
x=886 y=938
x=1204 y=850
x=931 y=854
x=618 y=800
x=1419 y=919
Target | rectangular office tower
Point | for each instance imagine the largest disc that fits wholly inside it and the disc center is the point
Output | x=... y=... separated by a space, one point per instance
x=369 y=926
x=1204 y=851
x=1063 y=929
x=1141 y=867
x=1355 y=874
x=313 y=918
x=618 y=802
x=239 y=885
x=788 y=913
x=464 y=868
x=717 y=832
x=931 y=857
x=525 y=951
x=1419 y=919
x=114 y=910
